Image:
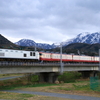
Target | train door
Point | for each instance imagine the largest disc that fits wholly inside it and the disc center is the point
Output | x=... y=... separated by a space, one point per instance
x=25 y=55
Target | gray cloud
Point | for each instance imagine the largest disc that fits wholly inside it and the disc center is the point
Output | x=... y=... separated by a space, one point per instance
x=48 y=20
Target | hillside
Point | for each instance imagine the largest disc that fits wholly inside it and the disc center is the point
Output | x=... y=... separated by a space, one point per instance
x=83 y=48
x=79 y=49
x=5 y=43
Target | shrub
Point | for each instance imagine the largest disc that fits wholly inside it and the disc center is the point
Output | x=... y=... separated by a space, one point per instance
x=34 y=78
x=69 y=76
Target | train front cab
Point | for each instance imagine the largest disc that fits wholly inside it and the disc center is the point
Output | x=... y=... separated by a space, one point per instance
x=45 y=57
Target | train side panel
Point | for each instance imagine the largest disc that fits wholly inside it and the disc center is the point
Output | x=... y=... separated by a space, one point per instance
x=96 y=59
x=55 y=57
x=76 y=58
x=85 y=59
x=18 y=54
x=65 y=57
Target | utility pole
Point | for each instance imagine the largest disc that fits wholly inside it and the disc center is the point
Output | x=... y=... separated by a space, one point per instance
x=35 y=46
x=61 y=64
x=99 y=59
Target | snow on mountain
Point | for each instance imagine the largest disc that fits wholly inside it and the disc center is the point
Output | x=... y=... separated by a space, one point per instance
x=89 y=38
x=28 y=42
x=86 y=37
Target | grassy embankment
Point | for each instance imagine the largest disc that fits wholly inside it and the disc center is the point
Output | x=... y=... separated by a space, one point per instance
x=75 y=85
x=9 y=75
x=33 y=80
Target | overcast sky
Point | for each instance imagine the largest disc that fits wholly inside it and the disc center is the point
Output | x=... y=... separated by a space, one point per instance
x=48 y=21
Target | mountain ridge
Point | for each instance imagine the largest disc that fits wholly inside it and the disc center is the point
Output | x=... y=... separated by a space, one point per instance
x=74 y=48
x=86 y=37
x=29 y=42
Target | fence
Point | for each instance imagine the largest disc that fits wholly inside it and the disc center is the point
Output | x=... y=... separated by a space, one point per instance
x=95 y=83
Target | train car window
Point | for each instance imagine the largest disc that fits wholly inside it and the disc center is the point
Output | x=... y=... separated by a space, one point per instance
x=1 y=54
x=34 y=54
x=30 y=53
x=25 y=55
x=40 y=54
x=51 y=56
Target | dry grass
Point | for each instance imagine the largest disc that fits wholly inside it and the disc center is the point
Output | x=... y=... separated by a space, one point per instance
x=66 y=88
x=18 y=96
x=9 y=75
x=47 y=98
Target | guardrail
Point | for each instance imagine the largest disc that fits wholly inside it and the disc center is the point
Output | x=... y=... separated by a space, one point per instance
x=25 y=63
x=44 y=64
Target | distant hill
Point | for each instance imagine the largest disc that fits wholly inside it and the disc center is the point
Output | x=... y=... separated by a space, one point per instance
x=79 y=49
x=82 y=48
x=5 y=43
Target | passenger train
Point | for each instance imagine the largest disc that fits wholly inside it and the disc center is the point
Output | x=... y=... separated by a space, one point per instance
x=33 y=56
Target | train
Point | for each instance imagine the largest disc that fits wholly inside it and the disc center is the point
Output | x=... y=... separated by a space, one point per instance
x=35 y=56
x=53 y=57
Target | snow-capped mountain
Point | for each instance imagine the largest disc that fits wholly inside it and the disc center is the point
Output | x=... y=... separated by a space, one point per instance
x=89 y=38
x=86 y=37
x=28 y=42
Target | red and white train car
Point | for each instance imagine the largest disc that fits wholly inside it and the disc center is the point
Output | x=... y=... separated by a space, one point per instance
x=45 y=56
x=67 y=58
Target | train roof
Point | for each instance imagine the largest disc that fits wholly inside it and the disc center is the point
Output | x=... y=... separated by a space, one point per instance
x=16 y=50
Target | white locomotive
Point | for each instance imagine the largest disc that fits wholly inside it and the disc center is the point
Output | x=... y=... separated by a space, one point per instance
x=18 y=54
